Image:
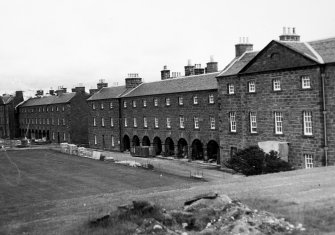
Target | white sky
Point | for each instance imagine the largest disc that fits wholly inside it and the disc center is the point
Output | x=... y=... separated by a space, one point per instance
x=47 y=43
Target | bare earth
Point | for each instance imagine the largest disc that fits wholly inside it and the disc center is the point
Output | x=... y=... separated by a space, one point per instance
x=46 y=192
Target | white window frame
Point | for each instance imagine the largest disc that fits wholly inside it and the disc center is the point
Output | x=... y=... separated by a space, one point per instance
x=64 y=136
x=102 y=121
x=124 y=104
x=182 y=122
x=125 y=122
x=279 y=123
x=168 y=122
x=156 y=122
x=253 y=122
x=95 y=140
x=102 y=105
x=276 y=85
x=144 y=103
x=195 y=99
x=231 y=89
x=111 y=105
x=94 y=122
x=112 y=121
x=308 y=161
x=212 y=122
x=180 y=100
x=113 y=141
x=251 y=86
x=167 y=102
x=93 y=106
x=308 y=123
x=58 y=122
x=135 y=122
x=211 y=99
x=53 y=135
x=196 y=122
x=232 y=121
x=145 y=122
x=134 y=103
x=305 y=82
x=63 y=121
x=155 y=102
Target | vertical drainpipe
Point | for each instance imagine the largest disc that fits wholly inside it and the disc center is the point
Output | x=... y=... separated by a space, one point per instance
x=324 y=111
x=120 y=125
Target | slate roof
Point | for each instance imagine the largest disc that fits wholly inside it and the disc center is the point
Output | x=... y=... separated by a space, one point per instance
x=325 y=48
x=109 y=92
x=6 y=99
x=47 y=100
x=321 y=51
x=176 y=85
x=238 y=63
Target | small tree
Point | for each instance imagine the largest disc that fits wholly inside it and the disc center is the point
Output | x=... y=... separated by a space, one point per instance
x=254 y=161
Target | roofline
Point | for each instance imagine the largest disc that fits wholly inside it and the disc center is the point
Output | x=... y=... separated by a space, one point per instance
x=323 y=39
x=301 y=53
x=234 y=61
x=317 y=55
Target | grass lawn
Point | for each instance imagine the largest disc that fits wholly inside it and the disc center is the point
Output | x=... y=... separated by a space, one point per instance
x=54 y=193
x=36 y=185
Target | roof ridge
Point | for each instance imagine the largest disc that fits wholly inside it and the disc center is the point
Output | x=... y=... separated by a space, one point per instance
x=321 y=40
x=130 y=90
x=317 y=55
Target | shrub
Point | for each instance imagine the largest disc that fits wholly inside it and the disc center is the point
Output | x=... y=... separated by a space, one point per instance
x=254 y=161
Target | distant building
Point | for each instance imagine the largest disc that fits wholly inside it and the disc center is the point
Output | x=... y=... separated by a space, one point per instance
x=176 y=116
x=9 y=126
x=58 y=118
x=283 y=94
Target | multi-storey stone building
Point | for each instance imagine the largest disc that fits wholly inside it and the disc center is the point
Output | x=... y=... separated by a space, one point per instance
x=175 y=116
x=58 y=118
x=283 y=93
x=9 y=126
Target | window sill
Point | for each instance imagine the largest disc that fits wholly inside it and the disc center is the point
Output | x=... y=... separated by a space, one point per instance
x=277 y=91
x=305 y=89
x=279 y=135
x=232 y=133
x=251 y=93
x=308 y=136
x=254 y=133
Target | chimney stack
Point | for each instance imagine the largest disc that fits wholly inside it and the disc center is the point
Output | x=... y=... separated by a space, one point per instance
x=80 y=88
x=52 y=91
x=60 y=90
x=102 y=83
x=133 y=80
x=19 y=94
x=198 y=70
x=39 y=93
x=165 y=73
x=189 y=68
x=212 y=66
x=288 y=36
x=243 y=46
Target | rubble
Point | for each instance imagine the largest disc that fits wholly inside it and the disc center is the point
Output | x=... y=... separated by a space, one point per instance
x=205 y=214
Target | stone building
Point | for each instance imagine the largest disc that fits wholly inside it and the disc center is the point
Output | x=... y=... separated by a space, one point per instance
x=283 y=94
x=9 y=125
x=59 y=117
x=175 y=116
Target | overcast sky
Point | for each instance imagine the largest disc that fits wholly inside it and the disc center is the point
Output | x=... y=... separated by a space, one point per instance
x=48 y=43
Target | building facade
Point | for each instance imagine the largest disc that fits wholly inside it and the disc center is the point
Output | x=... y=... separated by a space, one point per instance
x=285 y=94
x=57 y=118
x=175 y=116
x=9 y=125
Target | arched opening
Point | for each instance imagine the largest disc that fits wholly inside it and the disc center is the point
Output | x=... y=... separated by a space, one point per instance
x=48 y=135
x=169 y=147
x=182 y=148
x=213 y=151
x=197 y=150
x=136 y=141
x=145 y=141
x=44 y=134
x=39 y=134
x=126 y=143
x=157 y=145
